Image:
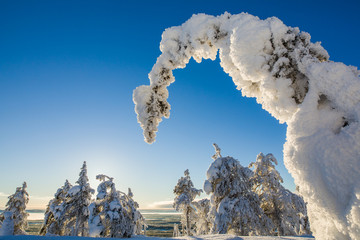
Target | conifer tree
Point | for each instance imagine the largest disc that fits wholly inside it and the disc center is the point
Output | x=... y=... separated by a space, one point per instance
x=202 y=224
x=7 y=224
x=54 y=215
x=286 y=209
x=14 y=215
x=234 y=207
x=111 y=215
x=76 y=212
x=185 y=195
x=176 y=232
x=138 y=219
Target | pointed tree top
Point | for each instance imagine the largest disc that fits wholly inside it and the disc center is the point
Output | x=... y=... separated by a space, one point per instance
x=130 y=194
x=83 y=178
x=217 y=152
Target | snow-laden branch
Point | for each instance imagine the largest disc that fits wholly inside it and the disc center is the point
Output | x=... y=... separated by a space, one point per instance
x=296 y=83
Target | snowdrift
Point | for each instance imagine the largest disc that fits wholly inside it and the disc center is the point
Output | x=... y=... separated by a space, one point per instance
x=204 y=237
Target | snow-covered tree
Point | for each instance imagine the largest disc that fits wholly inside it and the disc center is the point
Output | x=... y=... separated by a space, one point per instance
x=234 y=207
x=202 y=224
x=138 y=219
x=75 y=209
x=7 y=224
x=185 y=195
x=286 y=210
x=113 y=214
x=176 y=231
x=15 y=215
x=294 y=80
x=54 y=214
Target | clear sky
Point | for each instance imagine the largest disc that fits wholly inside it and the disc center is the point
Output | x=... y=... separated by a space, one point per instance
x=67 y=72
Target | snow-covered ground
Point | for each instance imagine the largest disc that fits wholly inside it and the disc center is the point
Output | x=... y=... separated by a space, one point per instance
x=203 y=237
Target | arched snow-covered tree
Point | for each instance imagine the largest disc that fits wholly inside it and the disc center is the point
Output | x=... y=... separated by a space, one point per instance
x=234 y=207
x=294 y=80
x=76 y=210
x=54 y=218
x=16 y=205
x=286 y=210
x=185 y=195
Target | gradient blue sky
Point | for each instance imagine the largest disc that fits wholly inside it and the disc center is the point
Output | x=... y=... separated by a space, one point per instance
x=67 y=72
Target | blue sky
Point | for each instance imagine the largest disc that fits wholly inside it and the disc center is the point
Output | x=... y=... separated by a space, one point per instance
x=67 y=72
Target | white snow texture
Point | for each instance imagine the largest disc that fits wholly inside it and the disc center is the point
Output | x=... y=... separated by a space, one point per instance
x=296 y=83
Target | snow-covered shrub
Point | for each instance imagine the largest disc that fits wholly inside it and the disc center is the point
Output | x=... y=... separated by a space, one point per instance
x=185 y=195
x=114 y=214
x=15 y=215
x=7 y=224
x=176 y=232
x=76 y=206
x=293 y=79
x=234 y=207
x=202 y=224
x=54 y=218
x=286 y=210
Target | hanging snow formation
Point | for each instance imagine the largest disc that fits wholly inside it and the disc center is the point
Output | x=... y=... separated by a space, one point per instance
x=296 y=83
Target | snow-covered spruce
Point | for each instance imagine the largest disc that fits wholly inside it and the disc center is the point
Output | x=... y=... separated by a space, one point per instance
x=185 y=195
x=293 y=79
x=137 y=217
x=202 y=224
x=114 y=214
x=55 y=218
x=234 y=207
x=286 y=210
x=15 y=215
x=75 y=208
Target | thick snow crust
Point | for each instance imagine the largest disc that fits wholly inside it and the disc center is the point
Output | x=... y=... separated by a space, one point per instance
x=293 y=79
x=203 y=237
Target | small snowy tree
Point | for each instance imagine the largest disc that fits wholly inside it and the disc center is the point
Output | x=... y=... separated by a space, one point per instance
x=285 y=209
x=54 y=218
x=111 y=215
x=15 y=216
x=234 y=207
x=138 y=219
x=185 y=195
x=202 y=224
x=7 y=225
x=76 y=210
x=176 y=232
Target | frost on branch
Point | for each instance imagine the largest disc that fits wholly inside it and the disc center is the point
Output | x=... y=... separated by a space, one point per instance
x=293 y=79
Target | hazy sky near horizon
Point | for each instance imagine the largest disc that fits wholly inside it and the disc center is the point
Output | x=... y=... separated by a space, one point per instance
x=67 y=72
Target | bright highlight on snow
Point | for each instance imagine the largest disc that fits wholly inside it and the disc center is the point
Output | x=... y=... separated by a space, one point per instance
x=296 y=83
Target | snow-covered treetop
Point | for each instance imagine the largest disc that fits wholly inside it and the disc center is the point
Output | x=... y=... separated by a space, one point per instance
x=185 y=191
x=83 y=178
x=61 y=192
x=18 y=200
x=217 y=152
x=265 y=174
